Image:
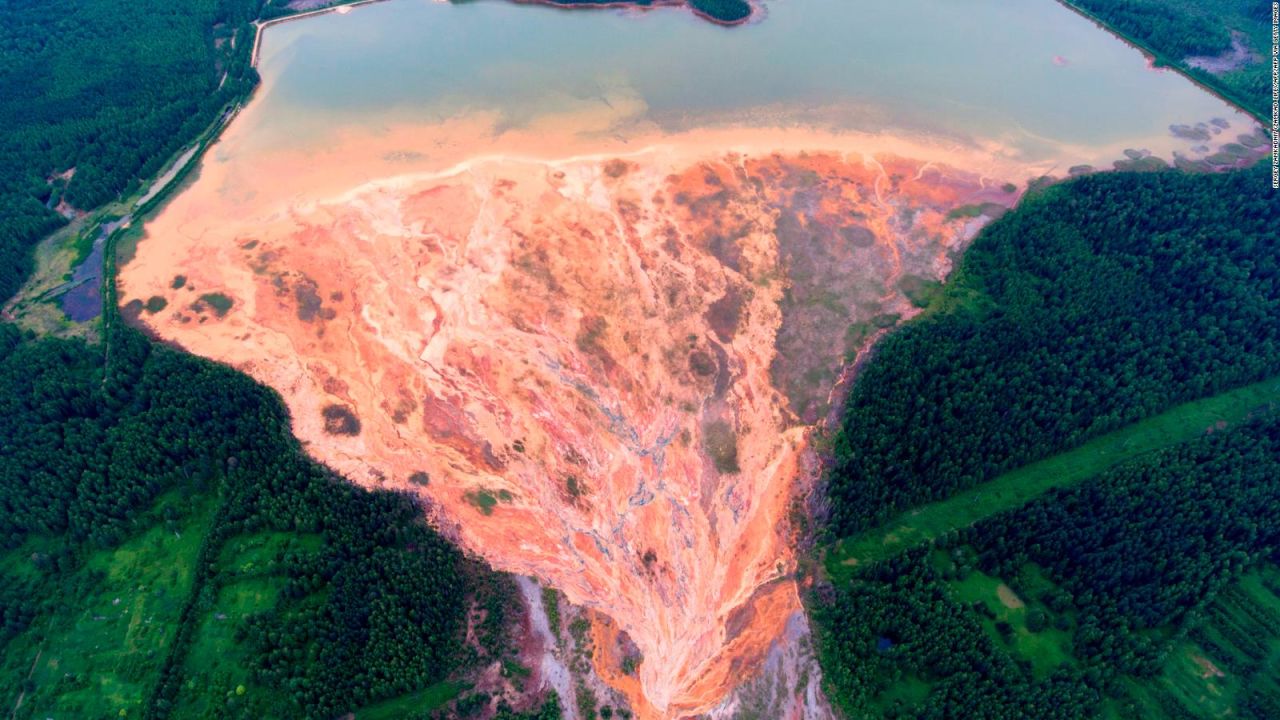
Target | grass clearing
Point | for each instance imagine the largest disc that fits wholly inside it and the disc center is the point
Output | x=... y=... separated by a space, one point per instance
x=255 y=554
x=217 y=666
x=219 y=681
x=907 y=692
x=999 y=605
x=1185 y=683
x=1015 y=488
x=1230 y=661
x=100 y=658
x=430 y=698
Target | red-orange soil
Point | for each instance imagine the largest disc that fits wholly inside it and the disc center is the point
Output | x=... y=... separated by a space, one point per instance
x=599 y=371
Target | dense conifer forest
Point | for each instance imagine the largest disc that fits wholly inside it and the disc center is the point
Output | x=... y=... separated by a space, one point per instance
x=1097 y=303
x=723 y=10
x=1053 y=610
x=353 y=599
x=98 y=95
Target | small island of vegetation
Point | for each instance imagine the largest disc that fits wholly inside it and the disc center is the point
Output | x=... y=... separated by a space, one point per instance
x=721 y=12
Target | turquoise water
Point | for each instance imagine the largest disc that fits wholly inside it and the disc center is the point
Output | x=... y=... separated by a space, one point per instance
x=1030 y=74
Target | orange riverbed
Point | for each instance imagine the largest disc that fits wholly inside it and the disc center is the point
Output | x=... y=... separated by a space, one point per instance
x=596 y=360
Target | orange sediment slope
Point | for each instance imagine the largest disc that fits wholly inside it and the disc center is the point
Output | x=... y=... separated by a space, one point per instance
x=597 y=369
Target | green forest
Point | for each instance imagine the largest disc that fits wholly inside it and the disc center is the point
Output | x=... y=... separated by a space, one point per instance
x=1096 y=304
x=1059 y=608
x=99 y=94
x=169 y=552
x=728 y=11
x=1173 y=30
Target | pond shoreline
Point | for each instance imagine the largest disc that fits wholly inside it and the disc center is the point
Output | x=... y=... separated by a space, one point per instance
x=1159 y=62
